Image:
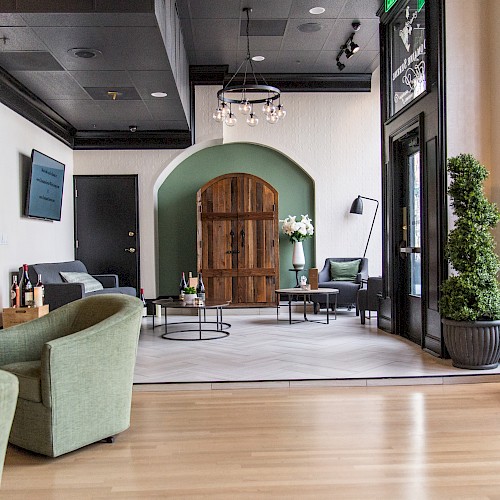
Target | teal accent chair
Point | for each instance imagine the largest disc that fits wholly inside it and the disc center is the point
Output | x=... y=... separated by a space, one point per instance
x=75 y=368
x=9 y=389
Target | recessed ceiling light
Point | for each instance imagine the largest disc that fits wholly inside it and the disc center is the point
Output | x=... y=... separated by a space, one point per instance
x=84 y=53
x=258 y=58
x=317 y=10
x=309 y=27
x=159 y=94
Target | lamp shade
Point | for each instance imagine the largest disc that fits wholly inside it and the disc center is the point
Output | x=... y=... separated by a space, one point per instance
x=357 y=206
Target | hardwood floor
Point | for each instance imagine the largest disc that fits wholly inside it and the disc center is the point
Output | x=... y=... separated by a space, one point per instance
x=418 y=442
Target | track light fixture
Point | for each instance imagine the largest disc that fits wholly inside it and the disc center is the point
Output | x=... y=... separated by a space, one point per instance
x=350 y=47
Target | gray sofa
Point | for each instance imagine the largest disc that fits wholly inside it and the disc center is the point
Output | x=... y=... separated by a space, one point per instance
x=348 y=290
x=58 y=292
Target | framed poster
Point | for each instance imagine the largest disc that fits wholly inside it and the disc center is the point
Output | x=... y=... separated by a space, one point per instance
x=408 y=58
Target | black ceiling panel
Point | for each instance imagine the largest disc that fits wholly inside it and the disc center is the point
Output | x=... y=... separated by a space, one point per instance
x=113 y=93
x=11 y=20
x=102 y=78
x=51 y=84
x=90 y=19
x=263 y=27
x=29 y=61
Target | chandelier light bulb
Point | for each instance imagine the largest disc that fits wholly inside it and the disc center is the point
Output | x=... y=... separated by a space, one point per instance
x=225 y=109
x=230 y=120
x=268 y=108
x=218 y=116
x=252 y=120
x=272 y=118
x=245 y=107
x=280 y=111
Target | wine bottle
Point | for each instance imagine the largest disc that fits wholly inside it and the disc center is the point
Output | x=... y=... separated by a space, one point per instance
x=200 y=288
x=182 y=286
x=145 y=308
x=39 y=292
x=27 y=299
x=15 y=296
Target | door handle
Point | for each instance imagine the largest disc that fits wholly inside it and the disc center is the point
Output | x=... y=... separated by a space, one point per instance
x=242 y=238
x=232 y=244
x=130 y=250
x=410 y=250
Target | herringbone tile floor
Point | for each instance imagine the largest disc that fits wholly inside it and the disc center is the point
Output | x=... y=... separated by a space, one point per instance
x=259 y=348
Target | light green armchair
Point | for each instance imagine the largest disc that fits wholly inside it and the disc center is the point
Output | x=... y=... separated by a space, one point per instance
x=75 y=368
x=9 y=389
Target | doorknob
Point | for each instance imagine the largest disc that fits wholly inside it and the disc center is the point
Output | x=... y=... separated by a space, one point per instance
x=130 y=250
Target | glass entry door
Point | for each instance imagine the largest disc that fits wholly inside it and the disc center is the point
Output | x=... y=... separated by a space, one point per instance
x=409 y=171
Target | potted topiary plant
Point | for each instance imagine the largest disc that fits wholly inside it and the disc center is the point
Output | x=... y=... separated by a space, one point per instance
x=470 y=299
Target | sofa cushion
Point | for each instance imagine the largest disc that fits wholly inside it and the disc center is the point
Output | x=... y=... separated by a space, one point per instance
x=344 y=271
x=50 y=270
x=90 y=284
x=28 y=374
x=125 y=290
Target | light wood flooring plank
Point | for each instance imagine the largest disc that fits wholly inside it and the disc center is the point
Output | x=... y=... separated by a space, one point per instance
x=420 y=442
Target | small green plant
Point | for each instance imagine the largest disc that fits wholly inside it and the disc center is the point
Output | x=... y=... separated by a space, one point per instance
x=190 y=290
x=473 y=293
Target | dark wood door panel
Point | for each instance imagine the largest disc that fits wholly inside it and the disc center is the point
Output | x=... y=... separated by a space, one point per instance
x=237 y=239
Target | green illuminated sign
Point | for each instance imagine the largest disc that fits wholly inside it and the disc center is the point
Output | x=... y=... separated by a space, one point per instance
x=389 y=4
x=420 y=4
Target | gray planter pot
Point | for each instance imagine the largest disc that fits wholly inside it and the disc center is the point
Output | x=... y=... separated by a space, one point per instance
x=473 y=345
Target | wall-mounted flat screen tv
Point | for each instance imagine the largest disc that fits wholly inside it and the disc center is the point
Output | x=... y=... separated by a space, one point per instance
x=45 y=188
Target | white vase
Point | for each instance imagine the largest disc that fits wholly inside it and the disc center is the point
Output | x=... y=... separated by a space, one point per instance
x=189 y=298
x=298 y=258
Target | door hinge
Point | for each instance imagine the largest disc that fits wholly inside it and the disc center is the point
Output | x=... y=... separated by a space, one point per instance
x=76 y=193
x=200 y=208
x=273 y=243
x=76 y=243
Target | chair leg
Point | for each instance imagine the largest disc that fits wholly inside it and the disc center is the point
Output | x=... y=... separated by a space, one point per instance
x=110 y=439
x=362 y=314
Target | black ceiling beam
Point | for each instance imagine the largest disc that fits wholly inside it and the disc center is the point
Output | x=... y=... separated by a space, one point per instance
x=288 y=82
x=21 y=100
x=118 y=139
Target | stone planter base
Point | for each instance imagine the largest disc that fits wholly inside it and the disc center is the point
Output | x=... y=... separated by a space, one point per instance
x=473 y=345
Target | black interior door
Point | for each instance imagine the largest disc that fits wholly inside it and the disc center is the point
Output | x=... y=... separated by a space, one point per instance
x=409 y=236
x=107 y=225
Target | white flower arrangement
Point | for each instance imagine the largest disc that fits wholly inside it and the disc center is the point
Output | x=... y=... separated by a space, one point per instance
x=297 y=230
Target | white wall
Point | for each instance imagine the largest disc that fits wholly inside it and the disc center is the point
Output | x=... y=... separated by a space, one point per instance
x=472 y=75
x=29 y=240
x=338 y=145
x=335 y=138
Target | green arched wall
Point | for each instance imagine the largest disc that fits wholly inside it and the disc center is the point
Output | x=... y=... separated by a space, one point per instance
x=177 y=205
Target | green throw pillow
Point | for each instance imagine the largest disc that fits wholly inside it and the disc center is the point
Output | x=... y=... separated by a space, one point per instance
x=344 y=271
x=89 y=283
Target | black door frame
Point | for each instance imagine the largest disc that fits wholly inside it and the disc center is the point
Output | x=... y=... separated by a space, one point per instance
x=428 y=109
x=398 y=276
x=137 y=253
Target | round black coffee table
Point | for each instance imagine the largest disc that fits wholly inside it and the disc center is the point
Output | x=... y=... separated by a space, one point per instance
x=204 y=329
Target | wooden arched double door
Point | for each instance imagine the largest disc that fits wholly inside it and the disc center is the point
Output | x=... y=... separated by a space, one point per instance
x=238 y=239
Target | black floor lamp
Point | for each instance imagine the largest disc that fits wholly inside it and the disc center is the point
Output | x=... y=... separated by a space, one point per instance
x=357 y=208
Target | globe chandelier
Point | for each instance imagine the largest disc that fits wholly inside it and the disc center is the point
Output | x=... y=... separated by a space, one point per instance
x=249 y=94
